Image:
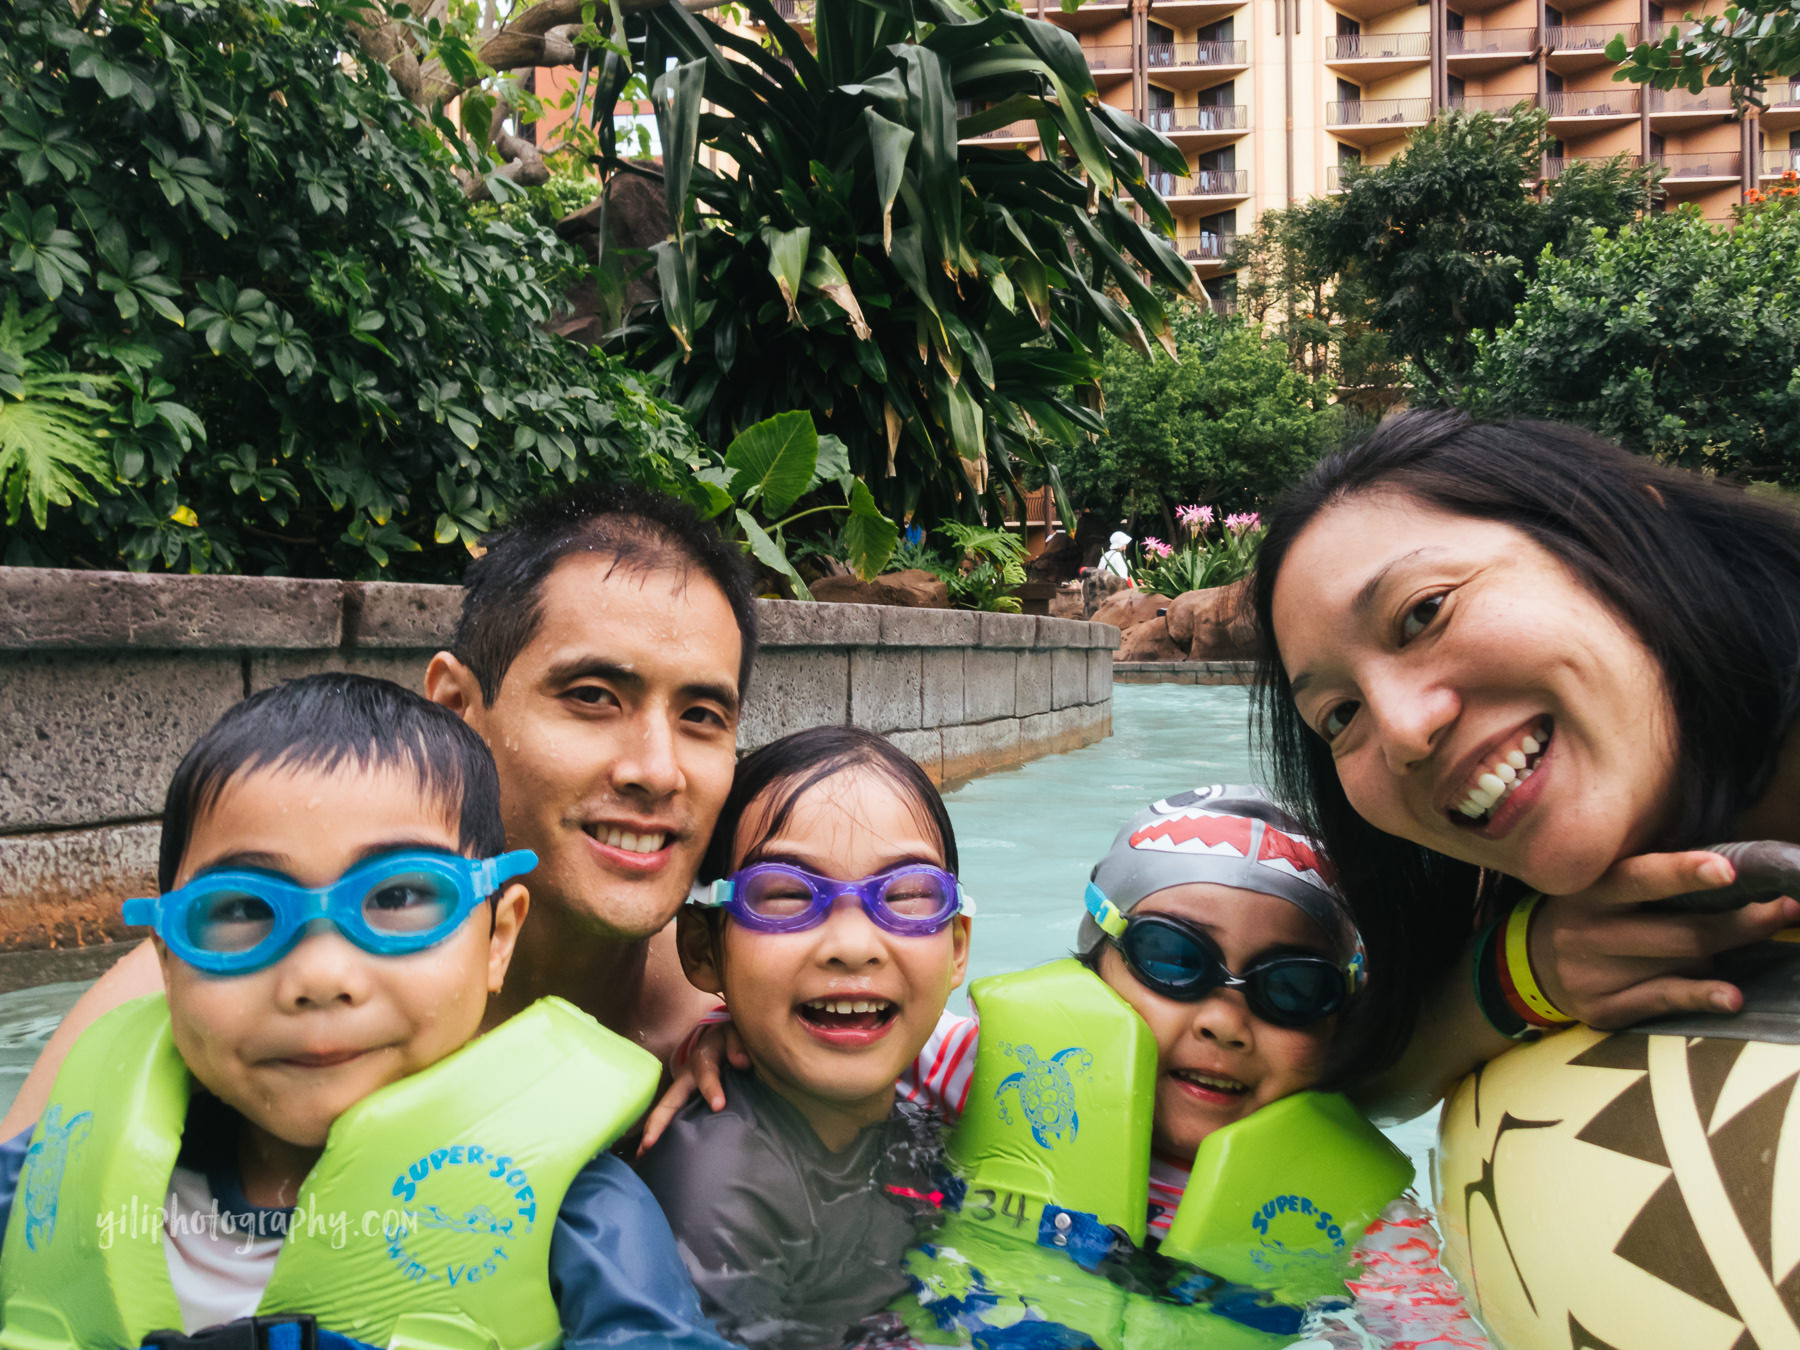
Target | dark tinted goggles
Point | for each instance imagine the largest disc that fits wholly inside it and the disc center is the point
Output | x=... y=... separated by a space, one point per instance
x=1179 y=961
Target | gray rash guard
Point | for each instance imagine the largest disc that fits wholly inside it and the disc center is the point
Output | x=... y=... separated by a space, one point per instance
x=790 y=1244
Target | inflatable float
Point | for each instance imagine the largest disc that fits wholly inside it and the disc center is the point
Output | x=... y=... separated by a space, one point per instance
x=1640 y=1190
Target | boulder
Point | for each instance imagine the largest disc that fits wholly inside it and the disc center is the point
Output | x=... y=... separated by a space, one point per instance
x=1215 y=624
x=1066 y=603
x=1149 y=641
x=914 y=588
x=1128 y=608
x=1060 y=560
x=1098 y=587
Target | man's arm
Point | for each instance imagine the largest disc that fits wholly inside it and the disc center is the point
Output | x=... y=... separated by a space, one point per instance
x=135 y=974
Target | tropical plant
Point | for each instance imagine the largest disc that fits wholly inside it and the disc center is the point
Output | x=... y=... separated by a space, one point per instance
x=936 y=302
x=314 y=357
x=51 y=421
x=1744 y=46
x=1441 y=239
x=1675 y=336
x=1202 y=559
x=1231 y=420
x=993 y=564
x=770 y=469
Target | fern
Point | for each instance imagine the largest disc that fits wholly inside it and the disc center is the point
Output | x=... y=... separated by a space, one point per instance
x=51 y=422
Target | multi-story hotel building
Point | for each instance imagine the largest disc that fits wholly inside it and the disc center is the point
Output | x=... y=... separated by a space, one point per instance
x=1270 y=99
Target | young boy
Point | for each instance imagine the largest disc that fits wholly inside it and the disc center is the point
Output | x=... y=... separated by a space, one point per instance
x=307 y=1125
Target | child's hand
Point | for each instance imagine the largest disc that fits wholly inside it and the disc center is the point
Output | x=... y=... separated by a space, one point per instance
x=698 y=1072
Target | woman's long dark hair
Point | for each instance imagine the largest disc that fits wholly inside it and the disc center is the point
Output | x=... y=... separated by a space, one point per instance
x=804 y=759
x=1706 y=575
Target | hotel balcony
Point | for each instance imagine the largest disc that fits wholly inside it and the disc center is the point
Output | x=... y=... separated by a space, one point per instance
x=1203 y=190
x=1581 y=46
x=1375 y=56
x=1092 y=14
x=1672 y=109
x=1110 y=63
x=1480 y=51
x=1703 y=171
x=1775 y=163
x=1576 y=111
x=1010 y=136
x=797 y=12
x=1500 y=105
x=1781 y=108
x=1205 y=249
x=1555 y=164
x=1370 y=121
x=1192 y=13
x=1195 y=65
x=1334 y=179
x=1202 y=128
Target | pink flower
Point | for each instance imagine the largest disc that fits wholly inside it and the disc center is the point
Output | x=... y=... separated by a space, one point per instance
x=1194 y=518
x=1238 y=522
x=1156 y=548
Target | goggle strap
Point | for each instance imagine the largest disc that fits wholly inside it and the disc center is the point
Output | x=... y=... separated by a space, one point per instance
x=140 y=912
x=965 y=903
x=1104 y=912
x=719 y=896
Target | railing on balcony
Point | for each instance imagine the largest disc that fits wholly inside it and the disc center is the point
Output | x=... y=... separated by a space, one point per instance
x=795 y=11
x=1012 y=131
x=1205 y=245
x=1782 y=95
x=1208 y=117
x=1334 y=177
x=1490 y=41
x=1701 y=164
x=1365 y=46
x=1365 y=112
x=1681 y=101
x=1555 y=165
x=1587 y=37
x=1114 y=57
x=1203 y=183
x=1777 y=162
x=1611 y=102
x=1161 y=55
x=1501 y=105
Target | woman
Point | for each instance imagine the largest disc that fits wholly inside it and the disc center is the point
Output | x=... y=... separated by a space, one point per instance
x=1513 y=659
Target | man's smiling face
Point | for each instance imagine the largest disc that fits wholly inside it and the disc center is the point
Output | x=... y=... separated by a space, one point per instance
x=615 y=734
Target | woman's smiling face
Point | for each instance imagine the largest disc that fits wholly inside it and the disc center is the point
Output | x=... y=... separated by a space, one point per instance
x=1477 y=697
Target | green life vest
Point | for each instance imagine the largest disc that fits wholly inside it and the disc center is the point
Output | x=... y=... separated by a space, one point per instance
x=424 y=1225
x=1059 y=1114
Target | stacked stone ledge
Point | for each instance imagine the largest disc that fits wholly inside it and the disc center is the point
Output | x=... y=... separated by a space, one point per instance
x=106 y=678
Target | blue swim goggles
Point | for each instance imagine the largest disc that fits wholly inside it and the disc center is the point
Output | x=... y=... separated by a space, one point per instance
x=915 y=900
x=235 y=920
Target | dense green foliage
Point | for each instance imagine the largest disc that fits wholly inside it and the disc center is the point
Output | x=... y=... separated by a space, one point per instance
x=1437 y=239
x=1230 y=422
x=250 y=272
x=1744 y=46
x=1674 y=336
x=934 y=302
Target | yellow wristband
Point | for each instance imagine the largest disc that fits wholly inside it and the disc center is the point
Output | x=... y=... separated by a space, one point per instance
x=1518 y=963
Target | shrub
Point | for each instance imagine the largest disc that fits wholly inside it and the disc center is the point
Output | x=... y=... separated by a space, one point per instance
x=300 y=349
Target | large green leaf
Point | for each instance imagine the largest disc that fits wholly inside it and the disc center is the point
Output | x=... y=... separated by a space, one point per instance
x=869 y=536
x=888 y=143
x=773 y=462
x=787 y=260
x=769 y=553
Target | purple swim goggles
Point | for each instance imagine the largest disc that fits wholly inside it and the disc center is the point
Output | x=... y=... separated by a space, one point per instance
x=910 y=901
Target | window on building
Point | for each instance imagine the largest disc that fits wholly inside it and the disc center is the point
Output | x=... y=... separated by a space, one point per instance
x=1348 y=155
x=1347 y=26
x=1216 y=32
x=1159 y=43
x=1349 y=93
x=1657 y=145
x=1454 y=87
x=1553 y=83
x=1553 y=17
x=1453 y=21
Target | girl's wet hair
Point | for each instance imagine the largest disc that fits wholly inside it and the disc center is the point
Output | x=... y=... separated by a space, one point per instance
x=794 y=764
x=321 y=722
x=1706 y=575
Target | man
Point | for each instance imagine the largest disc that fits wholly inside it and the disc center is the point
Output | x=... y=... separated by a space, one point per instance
x=604 y=645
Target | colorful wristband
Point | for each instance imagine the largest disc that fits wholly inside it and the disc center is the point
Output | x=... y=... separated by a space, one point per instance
x=1516 y=961
x=1502 y=1013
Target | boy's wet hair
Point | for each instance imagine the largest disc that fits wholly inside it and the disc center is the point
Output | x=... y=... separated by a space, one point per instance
x=642 y=531
x=321 y=722
x=801 y=761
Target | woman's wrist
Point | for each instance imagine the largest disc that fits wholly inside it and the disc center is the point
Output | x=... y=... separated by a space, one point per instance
x=1506 y=987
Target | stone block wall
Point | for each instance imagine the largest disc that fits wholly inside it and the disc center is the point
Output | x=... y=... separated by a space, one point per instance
x=106 y=678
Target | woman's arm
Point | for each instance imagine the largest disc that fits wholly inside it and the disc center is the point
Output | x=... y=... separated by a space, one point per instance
x=132 y=976
x=1599 y=958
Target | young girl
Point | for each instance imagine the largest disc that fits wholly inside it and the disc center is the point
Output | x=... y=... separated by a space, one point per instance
x=835 y=930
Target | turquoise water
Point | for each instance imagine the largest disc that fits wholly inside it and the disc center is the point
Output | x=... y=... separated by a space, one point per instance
x=1028 y=837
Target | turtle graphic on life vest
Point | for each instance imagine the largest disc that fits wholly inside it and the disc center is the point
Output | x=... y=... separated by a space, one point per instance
x=1046 y=1091
x=44 y=1162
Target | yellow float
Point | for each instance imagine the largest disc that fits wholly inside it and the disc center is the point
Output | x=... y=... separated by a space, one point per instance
x=1638 y=1190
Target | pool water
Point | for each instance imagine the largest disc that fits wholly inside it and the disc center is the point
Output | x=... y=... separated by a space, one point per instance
x=1029 y=836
